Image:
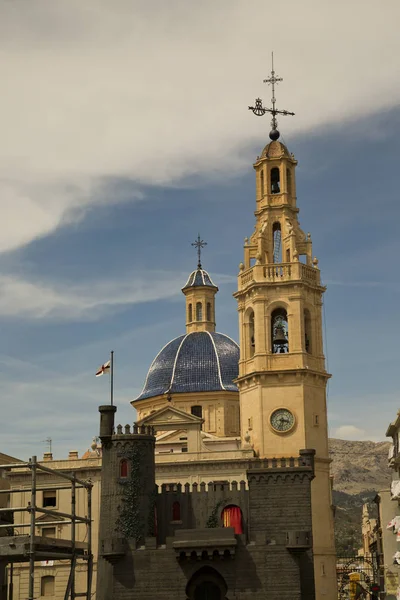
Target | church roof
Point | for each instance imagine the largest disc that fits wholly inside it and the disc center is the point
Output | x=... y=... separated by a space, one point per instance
x=199 y=278
x=200 y=361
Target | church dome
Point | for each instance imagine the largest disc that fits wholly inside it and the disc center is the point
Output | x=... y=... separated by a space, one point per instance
x=199 y=278
x=200 y=361
x=275 y=149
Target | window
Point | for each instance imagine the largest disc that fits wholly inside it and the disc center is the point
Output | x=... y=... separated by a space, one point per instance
x=190 y=313
x=48 y=532
x=176 y=511
x=262 y=183
x=49 y=499
x=197 y=411
x=279 y=331
x=287 y=255
x=123 y=468
x=208 y=311
x=232 y=517
x=277 y=241
x=47 y=586
x=250 y=334
x=199 y=311
x=275 y=181
x=307 y=331
x=289 y=181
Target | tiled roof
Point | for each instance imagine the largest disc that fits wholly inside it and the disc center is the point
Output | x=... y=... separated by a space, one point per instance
x=200 y=361
x=198 y=278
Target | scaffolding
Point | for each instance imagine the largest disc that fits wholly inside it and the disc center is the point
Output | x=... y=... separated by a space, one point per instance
x=31 y=547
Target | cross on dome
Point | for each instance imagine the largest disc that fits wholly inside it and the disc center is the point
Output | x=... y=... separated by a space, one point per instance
x=199 y=244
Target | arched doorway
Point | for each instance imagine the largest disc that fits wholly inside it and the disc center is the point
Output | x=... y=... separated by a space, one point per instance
x=206 y=584
x=207 y=590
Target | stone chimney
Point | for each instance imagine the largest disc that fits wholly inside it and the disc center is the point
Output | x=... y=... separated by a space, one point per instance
x=47 y=456
x=73 y=455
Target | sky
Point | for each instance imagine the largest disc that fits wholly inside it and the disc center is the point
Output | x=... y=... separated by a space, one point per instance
x=124 y=131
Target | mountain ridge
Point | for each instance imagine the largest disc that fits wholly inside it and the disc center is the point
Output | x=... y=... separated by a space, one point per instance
x=359 y=470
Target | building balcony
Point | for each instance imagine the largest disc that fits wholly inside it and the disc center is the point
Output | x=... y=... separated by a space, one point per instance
x=205 y=543
x=280 y=273
x=298 y=540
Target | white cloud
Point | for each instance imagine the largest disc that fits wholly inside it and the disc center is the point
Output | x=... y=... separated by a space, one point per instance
x=89 y=301
x=349 y=432
x=155 y=90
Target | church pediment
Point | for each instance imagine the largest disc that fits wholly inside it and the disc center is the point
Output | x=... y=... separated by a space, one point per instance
x=171 y=417
x=48 y=518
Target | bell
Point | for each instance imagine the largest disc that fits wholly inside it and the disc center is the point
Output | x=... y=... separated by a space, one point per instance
x=279 y=336
x=275 y=187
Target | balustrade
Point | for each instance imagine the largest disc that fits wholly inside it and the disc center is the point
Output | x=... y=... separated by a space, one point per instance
x=280 y=272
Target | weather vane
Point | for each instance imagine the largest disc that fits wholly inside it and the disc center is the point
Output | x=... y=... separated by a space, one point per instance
x=199 y=244
x=259 y=110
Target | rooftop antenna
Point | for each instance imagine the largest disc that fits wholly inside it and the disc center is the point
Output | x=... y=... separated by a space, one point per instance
x=49 y=443
x=199 y=244
x=259 y=110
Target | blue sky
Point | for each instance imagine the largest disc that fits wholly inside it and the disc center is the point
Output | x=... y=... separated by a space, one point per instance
x=106 y=178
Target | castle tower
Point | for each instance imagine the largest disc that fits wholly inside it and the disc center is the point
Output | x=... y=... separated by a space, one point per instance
x=128 y=494
x=282 y=376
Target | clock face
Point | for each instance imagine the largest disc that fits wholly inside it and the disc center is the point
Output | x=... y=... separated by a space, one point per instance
x=282 y=420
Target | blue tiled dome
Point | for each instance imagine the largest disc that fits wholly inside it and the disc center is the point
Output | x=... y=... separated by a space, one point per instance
x=196 y=362
x=198 y=278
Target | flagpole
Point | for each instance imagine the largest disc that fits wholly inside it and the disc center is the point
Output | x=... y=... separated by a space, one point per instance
x=112 y=377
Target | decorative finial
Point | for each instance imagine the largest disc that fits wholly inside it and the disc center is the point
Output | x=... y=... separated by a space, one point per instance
x=259 y=110
x=199 y=244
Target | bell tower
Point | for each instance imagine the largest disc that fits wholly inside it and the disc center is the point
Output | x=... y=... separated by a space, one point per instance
x=282 y=375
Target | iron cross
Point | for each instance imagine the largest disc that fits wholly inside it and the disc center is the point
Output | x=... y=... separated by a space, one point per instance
x=199 y=244
x=259 y=110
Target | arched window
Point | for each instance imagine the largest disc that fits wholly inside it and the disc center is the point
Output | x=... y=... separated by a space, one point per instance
x=262 y=183
x=232 y=517
x=47 y=586
x=307 y=331
x=123 y=468
x=197 y=411
x=277 y=241
x=208 y=311
x=176 y=511
x=199 y=311
x=279 y=331
x=275 y=181
x=250 y=334
x=289 y=181
x=190 y=313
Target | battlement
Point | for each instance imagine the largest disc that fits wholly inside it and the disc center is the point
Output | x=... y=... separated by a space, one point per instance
x=125 y=430
x=305 y=461
x=212 y=486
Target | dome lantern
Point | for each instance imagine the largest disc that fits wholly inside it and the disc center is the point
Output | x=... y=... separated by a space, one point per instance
x=200 y=297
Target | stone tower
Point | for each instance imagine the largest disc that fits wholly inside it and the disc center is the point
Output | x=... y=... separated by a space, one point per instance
x=128 y=494
x=282 y=376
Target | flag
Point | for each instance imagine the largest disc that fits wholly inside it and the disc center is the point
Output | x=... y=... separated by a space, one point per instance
x=104 y=369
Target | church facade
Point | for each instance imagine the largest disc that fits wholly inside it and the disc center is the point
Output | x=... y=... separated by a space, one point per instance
x=222 y=420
